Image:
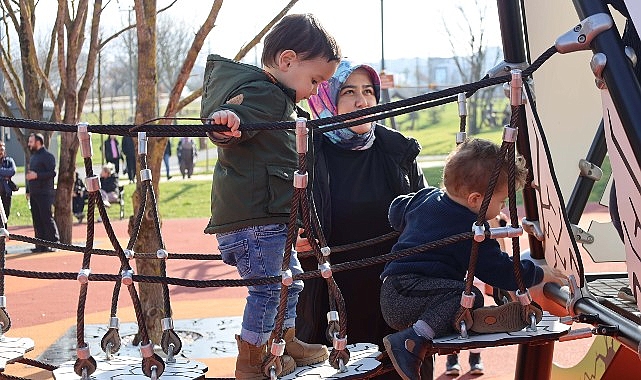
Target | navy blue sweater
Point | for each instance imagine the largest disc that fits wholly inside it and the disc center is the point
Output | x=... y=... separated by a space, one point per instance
x=430 y=215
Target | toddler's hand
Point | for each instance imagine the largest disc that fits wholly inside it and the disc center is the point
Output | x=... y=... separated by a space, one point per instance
x=228 y=118
x=554 y=275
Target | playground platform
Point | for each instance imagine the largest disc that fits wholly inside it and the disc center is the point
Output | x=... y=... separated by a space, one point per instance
x=45 y=310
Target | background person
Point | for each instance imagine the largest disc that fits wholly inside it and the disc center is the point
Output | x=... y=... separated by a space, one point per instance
x=358 y=171
x=111 y=150
x=7 y=171
x=165 y=158
x=252 y=186
x=79 y=197
x=186 y=153
x=109 y=185
x=40 y=191
x=129 y=151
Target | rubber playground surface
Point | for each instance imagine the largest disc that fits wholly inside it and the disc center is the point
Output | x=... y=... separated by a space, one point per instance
x=45 y=310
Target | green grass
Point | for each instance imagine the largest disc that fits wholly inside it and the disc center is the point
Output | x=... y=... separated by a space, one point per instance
x=178 y=199
x=435 y=129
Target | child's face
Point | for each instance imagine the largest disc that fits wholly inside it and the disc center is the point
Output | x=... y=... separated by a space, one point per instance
x=497 y=203
x=304 y=76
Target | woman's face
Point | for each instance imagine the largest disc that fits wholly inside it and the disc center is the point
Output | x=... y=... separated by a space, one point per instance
x=356 y=93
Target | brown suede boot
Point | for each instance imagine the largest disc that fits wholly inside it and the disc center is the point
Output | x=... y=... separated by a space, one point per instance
x=250 y=361
x=303 y=353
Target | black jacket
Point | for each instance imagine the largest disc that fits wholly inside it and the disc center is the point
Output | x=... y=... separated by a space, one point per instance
x=401 y=168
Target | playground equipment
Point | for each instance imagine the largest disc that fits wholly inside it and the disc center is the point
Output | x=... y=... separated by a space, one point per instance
x=550 y=221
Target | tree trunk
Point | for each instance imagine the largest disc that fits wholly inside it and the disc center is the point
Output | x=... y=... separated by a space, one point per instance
x=147 y=241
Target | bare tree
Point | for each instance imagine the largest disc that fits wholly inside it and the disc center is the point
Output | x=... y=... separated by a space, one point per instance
x=474 y=62
x=29 y=91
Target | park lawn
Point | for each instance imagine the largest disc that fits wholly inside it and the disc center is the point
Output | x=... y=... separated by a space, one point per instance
x=435 y=129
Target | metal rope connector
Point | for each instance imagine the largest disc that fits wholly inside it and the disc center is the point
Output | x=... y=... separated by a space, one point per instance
x=516 y=88
x=286 y=277
x=505 y=232
x=325 y=270
x=300 y=180
x=83 y=275
x=129 y=253
x=92 y=184
x=533 y=228
x=462 y=104
x=301 y=135
x=142 y=143
x=479 y=232
x=580 y=37
x=162 y=254
x=84 y=138
x=127 y=277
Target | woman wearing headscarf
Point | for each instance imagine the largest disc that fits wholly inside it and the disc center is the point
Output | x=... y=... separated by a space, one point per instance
x=357 y=172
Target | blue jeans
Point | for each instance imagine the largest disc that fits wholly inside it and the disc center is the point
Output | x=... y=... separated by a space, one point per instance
x=257 y=252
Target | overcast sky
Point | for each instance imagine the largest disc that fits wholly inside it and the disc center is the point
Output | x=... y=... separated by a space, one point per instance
x=412 y=28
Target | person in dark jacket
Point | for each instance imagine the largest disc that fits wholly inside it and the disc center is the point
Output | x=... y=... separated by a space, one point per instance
x=165 y=158
x=252 y=187
x=79 y=198
x=111 y=150
x=7 y=171
x=358 y=171
x=186 y=153
x=129 y=151
x=423 y=290
x=40 y=191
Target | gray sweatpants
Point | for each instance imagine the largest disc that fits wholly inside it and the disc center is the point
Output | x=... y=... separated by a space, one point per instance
x=409 y=297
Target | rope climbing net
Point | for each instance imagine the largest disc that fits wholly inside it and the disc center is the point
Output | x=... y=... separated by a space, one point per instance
x=302 y=208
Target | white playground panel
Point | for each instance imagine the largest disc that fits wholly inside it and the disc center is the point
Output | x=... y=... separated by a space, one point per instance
x=569 y=106
x=124 y=367
x=12 y=349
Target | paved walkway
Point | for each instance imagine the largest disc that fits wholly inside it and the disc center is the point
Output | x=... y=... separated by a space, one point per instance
x=45 y=310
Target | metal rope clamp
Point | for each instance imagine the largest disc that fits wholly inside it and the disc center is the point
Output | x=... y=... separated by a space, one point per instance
x=479 y=232
x=142 y=143
x=286 y=277
x=85 y=364
x=92 y=184
x=325 y=251
x=580 y=37
x=110 y=342
x=5 y=321
x=509 y=134
x=152 y=364
x=300 y=180
x=170 y=342
x=83 y=275
x=525 y=299
x=301 y=135
x=129 y=253
x=533 y=228
x=325 y=269
x=162 y=254
x=505 y=232
x=84 y=138
x=127 y=277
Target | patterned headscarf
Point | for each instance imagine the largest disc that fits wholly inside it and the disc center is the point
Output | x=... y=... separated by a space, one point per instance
x=324 y=105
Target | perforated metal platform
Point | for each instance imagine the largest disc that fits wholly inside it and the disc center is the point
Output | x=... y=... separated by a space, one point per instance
x=605 y=286
x=12 y=349
x=550 y=328
x=123 y=367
